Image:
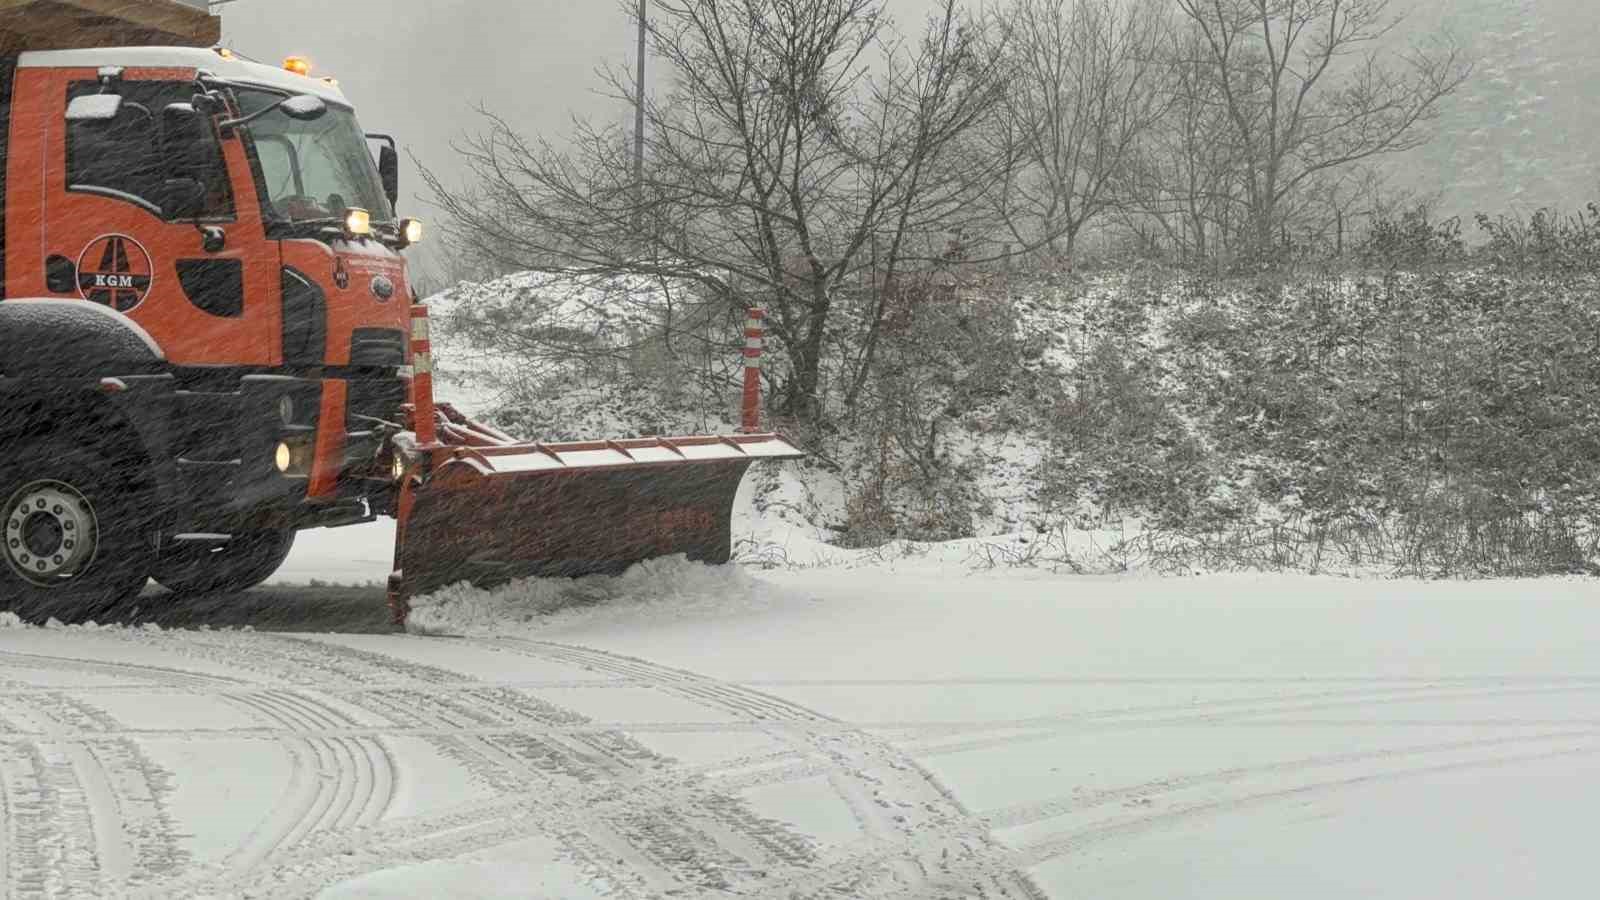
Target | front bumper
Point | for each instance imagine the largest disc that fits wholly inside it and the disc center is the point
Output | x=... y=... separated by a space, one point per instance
x=227 y=440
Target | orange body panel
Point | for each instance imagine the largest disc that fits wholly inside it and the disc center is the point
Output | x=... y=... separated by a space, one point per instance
x=352 y=305
x=71 y=224
x=44 y=218
x=329 y=458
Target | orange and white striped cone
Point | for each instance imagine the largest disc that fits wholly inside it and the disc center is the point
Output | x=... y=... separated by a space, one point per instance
x=754 y=336
x=422 y=378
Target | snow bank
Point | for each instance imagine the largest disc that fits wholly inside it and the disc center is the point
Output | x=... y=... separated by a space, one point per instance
x=668 y=587
x=10 y=621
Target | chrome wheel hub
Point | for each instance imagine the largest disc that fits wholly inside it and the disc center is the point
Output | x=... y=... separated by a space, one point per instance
x=50 y=533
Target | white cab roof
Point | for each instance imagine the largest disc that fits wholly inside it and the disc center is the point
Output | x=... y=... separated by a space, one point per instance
x=235 y=69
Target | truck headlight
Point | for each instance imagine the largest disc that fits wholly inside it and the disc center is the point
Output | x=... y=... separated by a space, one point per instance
x=357 y=222
x=412 y=228
x=286 y=409
x=293 y=457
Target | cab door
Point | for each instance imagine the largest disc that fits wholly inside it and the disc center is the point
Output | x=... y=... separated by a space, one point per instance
x=207 y=290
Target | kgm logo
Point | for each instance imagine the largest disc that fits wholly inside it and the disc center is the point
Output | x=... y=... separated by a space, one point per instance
x=115 y=271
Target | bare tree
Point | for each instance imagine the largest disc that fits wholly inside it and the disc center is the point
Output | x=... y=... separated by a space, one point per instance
x=800 y=147
x=1184 y=177
x=1306 y=91
x=1084 y=86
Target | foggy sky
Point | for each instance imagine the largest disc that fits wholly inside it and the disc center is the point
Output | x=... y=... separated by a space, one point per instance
x=417 y=68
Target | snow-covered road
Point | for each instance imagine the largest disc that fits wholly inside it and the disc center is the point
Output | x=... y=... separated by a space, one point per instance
x=899 y=730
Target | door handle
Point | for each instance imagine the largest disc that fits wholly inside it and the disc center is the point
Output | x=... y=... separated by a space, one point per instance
x=213 y=239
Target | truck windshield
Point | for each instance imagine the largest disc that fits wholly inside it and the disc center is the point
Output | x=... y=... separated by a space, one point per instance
x=313 y=171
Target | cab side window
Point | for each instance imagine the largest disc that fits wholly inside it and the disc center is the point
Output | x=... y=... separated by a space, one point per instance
x=122 y=158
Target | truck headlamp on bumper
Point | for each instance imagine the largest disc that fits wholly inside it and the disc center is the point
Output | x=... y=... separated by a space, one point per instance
x=403 y=456
x=293 y=457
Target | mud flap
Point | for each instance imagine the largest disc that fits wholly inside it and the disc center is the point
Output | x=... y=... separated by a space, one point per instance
x=488 y=516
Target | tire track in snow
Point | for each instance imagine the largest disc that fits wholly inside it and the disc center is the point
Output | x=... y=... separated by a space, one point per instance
x=896 y=802
x=652 y=808
x=931 y=739
x=155 y=676
x=757 y=708
x=601 y=778
x=1229 y=713
x=1381 y=681
x=335 y=782
x=659 y=823
x=82 y=816
x=1032 y=813
x=956 y=876
x=667 y=835
x=678 y=835
x=50 y=829
x=362 y=780
x=106 y=798
x=954 y=859
x=1072 y=841
x=7 y=837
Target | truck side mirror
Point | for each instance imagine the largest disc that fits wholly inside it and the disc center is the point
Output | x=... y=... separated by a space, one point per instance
x=209 y=103
x=183 y=141
x=94 y=108
x=389 y=172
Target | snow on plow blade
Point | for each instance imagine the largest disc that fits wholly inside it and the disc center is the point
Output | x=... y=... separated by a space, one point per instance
x=489 y=515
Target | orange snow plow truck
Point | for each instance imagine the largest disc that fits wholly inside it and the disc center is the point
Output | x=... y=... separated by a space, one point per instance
x=208 y=343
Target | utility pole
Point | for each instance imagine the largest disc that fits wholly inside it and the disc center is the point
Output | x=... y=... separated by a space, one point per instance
x=638 y=127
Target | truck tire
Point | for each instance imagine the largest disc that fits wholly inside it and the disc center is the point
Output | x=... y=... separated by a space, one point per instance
x=239 y=565
x=75 y=532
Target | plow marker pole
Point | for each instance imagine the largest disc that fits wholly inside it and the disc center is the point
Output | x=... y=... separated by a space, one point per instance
x=425 y=427
x=422 y=378
x=754 y=333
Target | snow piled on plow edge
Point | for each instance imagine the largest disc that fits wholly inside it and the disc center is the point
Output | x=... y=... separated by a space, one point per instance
x=668 y=587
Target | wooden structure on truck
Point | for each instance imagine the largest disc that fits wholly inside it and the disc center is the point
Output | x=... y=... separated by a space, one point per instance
x=75 y=24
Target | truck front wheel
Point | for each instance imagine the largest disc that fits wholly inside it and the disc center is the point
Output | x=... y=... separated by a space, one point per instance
x=239 y=565
x=73 y=535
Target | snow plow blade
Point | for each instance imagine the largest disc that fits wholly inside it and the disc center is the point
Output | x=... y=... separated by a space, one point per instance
x=488 y=515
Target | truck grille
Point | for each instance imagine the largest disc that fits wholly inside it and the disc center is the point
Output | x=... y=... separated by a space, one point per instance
x=378 y=348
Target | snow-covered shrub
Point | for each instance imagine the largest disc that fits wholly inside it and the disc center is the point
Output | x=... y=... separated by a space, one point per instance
x=1117 y=439
x=1545 y=241
x=568 y=357
x=1459 y=412
x=1411 y=239
x=948 y=367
